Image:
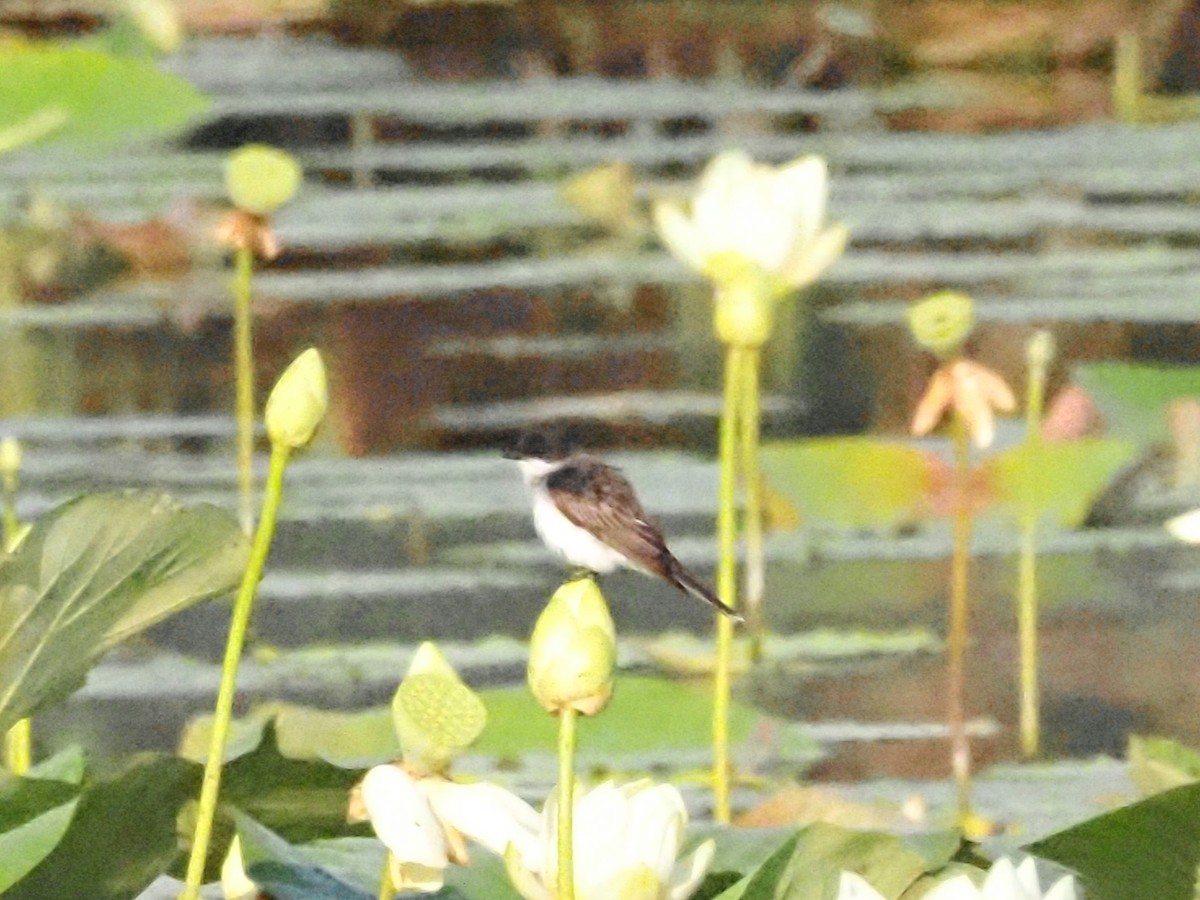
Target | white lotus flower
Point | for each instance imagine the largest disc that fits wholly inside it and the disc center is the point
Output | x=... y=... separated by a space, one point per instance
x=1004 y=881
x=854 y=887
x=627 y=838
x=748 y=214
x=1185 y=527
x=423 y=822
x=235 y=883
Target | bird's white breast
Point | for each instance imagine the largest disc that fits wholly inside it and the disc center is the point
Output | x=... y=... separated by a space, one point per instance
x=577 y=546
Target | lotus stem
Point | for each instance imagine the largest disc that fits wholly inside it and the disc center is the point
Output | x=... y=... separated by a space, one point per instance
x=1038 y=353
x=960 y=746
x=243 y=366
x=387 y=890
x=1027 y=622
x=726 y=581
x=223 y=712
x=565 y=878
x=8 y=518
x=18 y=742
x=18 y=747
x=752 y=523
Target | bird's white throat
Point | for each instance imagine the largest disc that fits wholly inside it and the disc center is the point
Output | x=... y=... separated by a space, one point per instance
x=576 y=545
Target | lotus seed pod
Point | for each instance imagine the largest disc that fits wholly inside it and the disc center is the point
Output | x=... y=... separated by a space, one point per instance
x=297 y=403
x=436 y=717
x=942 y=322
x=260 y=179
x=573 y=651
x=744 y=312
x=429 y=659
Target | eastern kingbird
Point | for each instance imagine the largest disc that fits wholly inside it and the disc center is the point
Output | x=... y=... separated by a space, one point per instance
x=586 y=512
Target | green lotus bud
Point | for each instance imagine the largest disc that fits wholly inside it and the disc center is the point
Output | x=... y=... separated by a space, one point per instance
x=436 y=716
x=260 y=179
x=573 y=650
x=942 y=322
x=297 y=403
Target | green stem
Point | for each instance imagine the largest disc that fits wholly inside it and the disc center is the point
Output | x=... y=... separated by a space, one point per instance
x=1038 y=354
x=18 y=747
x=726 y=583
x=8 y=516
x=1027 y=618
x=960 y=747
x=387 y=888
x=756 y=568
x=239 y=622
x=566 y=805
x=18 y=742
x=243 y=366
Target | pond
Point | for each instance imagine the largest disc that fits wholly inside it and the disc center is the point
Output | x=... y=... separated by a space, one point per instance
x=460 y=297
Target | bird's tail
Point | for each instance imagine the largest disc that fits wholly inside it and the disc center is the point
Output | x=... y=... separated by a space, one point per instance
x=690 y=584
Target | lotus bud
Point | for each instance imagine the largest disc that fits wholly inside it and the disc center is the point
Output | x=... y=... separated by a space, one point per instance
x=436 y=716
x=942 y=322
x=744 y=312
x=260 y=179
x=573 y=650
x=10 y=462
x=605 y=194
x=297 y=403
x=158 y=21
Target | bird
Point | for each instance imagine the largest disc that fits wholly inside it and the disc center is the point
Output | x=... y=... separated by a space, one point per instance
x=586 y=512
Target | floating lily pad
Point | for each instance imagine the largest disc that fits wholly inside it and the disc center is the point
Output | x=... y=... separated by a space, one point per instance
x=1037 y=480
x=1133 y=398
x=100 y=99
x=629 y=732
x=1159 y=764
x=690 y=655
x=649 y=721
x=849 y=482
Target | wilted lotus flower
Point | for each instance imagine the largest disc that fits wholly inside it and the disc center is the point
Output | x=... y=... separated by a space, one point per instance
x=260 y=179
x=942 y=322
x=424 y=822
x=756 y=231
x=626 y=840
x=1004 y=881
x=973 y=391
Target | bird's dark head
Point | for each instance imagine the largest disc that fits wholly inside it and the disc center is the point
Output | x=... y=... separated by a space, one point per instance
x=549 y=446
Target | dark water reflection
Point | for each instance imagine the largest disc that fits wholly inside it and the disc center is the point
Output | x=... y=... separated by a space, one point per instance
x=1118 y=656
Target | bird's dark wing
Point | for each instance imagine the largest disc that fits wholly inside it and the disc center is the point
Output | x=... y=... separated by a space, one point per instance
x=598 y=499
